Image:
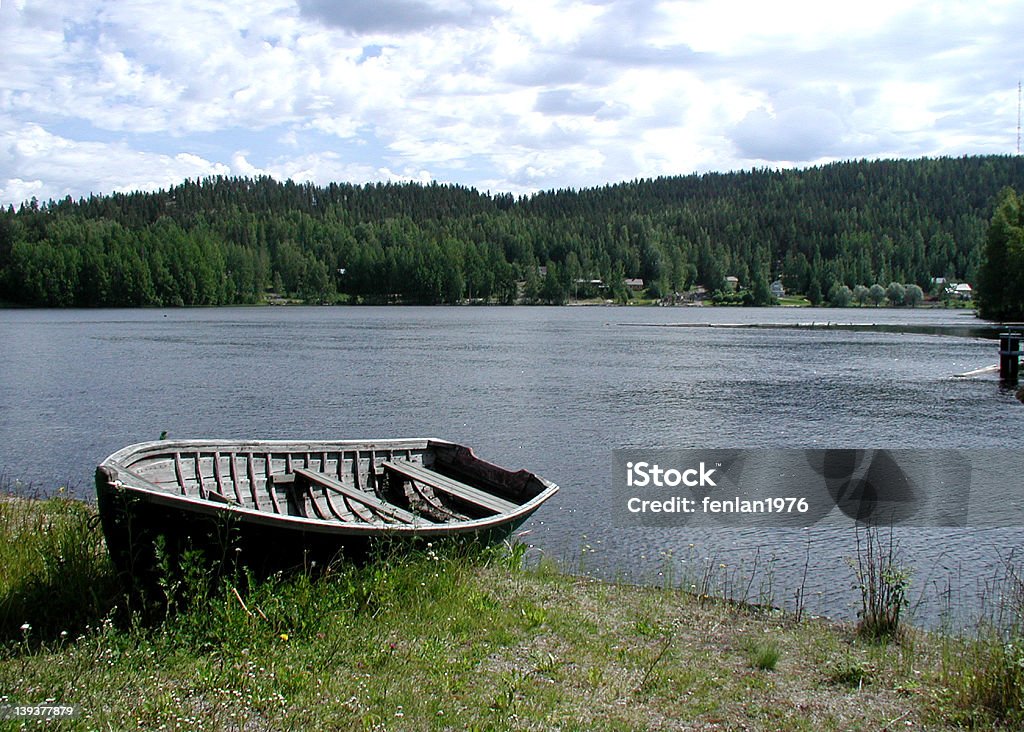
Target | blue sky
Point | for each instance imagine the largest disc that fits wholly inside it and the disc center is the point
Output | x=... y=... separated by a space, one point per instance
x=502 y=95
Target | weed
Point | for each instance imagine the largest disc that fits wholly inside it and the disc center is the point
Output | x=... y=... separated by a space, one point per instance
x=666 y=644
x=849 y=672
x=533 y=616
x=646 y=628
x=549 y=666
x=505 y=700
x=883 y=584
x=510 y=554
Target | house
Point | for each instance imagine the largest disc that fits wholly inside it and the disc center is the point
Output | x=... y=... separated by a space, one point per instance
x=963 y=291
x=634 y=283
x=777 y=289
x=959 y=290
x=732 y=283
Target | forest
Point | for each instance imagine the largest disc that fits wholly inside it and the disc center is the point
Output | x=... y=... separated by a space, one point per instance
x=222 y=241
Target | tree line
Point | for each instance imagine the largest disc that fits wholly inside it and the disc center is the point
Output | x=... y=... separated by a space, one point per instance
x=221 y=241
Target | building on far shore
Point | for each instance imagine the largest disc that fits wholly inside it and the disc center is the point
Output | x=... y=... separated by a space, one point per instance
x=962 y=291
x=634 y=283
x=956 y=290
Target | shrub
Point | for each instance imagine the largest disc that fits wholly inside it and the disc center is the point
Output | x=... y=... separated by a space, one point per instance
x=882 y=583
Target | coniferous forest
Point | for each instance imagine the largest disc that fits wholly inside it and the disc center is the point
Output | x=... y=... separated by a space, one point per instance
x=226 y=241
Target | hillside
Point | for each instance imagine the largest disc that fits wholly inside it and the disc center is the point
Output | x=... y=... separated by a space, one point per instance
x=230 y=241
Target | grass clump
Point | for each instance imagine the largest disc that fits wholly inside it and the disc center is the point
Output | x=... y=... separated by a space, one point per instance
x=992 y=685
x=763 y=654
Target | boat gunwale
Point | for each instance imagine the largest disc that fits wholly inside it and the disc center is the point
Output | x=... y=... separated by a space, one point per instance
x=143 y=449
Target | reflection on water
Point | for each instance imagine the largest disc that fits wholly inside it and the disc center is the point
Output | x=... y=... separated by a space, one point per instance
x=551 y=389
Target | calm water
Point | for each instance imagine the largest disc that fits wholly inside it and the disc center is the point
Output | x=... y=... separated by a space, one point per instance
x=550 y=389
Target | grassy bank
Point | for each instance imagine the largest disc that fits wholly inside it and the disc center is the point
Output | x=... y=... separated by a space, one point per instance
x=442 y=640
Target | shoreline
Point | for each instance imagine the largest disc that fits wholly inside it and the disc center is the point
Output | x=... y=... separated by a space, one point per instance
x=290 y=303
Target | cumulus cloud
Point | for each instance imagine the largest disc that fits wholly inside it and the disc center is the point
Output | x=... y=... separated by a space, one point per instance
x=496 y=94
x=799 y=126
x=16 y=189
x=52 y=166
x=797 y=134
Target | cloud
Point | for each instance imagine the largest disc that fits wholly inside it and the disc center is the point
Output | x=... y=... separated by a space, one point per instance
x=496 y=94
x=17 y=190
x=798 y=134
x=51 y=166
x=397 y=16
x=566 y=101
x=798 y=125
x=634 y=34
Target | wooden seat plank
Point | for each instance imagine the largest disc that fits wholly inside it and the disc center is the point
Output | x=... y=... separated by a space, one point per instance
x=448 y=485
x=357 y=495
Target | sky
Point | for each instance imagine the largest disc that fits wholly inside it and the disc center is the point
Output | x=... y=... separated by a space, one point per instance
x=516 y=96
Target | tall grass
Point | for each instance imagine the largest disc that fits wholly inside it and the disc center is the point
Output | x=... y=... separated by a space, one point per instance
x=763 y=654
x=57 y=580
x=985 y=673
x=55 y=575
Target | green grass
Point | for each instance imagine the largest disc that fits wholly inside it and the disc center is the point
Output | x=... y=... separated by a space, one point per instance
x=441 y=640
x=763 y=654
x=54 y=571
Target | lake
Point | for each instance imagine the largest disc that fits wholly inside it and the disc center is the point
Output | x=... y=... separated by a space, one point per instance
x=553 y=390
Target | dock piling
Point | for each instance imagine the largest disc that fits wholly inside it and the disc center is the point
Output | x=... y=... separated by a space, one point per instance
x=1009 y=356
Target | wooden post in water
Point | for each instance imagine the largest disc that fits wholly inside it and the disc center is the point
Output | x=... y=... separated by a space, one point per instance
x=1009 y=356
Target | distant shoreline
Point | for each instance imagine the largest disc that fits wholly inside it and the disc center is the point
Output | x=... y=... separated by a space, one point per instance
x=466 y=304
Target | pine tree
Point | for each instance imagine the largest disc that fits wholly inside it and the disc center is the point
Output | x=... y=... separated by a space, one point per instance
x=1001 y=276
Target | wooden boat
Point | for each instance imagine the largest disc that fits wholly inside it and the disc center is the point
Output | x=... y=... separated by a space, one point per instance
x=276 y=504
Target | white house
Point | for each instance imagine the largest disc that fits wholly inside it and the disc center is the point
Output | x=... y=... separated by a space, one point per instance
x=963 y=291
